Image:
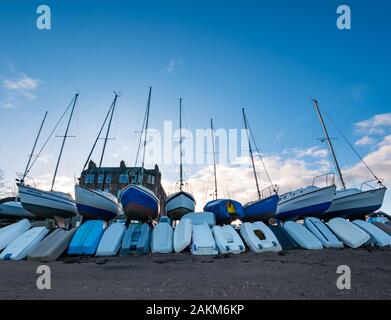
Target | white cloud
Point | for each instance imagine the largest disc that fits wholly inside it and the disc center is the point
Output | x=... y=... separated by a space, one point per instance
x=171 y=66
x=375 y=125
x=25 y=83
x=364 y=141
x=63 y=183
x=314 y=152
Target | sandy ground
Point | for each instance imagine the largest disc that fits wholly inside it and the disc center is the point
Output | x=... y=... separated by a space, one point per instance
x=295 y=274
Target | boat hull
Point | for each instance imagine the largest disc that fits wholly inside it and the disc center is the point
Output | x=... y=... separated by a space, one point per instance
x=309 y=204
x=94 y=205
x=179 y=204
x=14 y=210
x=355 y=206
x=225 y=210
x=261 y=210
x=139 y=203
x=46 y=204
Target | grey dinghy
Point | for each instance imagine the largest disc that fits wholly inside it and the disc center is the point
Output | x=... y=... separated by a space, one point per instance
x=52 y=246
x=323 y=233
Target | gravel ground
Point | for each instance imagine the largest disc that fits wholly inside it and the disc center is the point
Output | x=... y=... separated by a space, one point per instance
x=294 y=274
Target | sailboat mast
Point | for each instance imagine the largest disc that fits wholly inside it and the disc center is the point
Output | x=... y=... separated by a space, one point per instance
x=64 y=138
x=180 y=145
x=214 y=156
x=32 y=151
x=251 y=153
x=108 y=129
x=146 y=131
x=329 y=143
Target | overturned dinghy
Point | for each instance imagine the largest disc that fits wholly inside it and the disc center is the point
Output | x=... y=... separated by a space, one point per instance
x=87 y=238
x=201 y=218
x=259 y=237
x=50 y=248
x=322 y=233
x=111 y=240
x=11 y=232
x=203 y=241
x=283 y=237
x=349 y=233
x=162 y=236
x=182 y=235
x=136 y=239
x=303 y=237
x=383 y=226
x=22 y=245
x=378 y=237
x=228 y=240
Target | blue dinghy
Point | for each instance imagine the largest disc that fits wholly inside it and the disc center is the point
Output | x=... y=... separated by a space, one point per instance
x=378 y=237
x=322 y=233
x=111 y=240
x=225 y=210
x=87 y=238
x=303 y=237
x=136 y=240
x=283 y=237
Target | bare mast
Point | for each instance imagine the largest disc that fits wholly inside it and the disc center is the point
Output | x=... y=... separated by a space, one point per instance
x=180 y=145
x=145 y=133
x=214 y=156
x=32 y=151
x=329 y=143
x=251 y=153
x=64 y=138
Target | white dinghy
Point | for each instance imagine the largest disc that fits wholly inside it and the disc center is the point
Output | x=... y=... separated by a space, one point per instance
x=162 y=235
x=259 y=237
x=379 y=237
x=182 y=235
x=21 y=246
x=11 y=232
x=203 y=241
x=303 y=237
x=322 y=233
x=228 y=240
x=350 y=234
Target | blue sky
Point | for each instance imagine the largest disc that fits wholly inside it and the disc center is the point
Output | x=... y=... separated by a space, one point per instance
x=217 y=55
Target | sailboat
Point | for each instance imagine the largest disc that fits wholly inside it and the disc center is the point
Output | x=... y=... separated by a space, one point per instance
x=352 y=203
x=179 y=203
x=11 y=208
x=49 y=204
x=265 y=207
x=98 y=204
x=225 y=210
x=140 y=203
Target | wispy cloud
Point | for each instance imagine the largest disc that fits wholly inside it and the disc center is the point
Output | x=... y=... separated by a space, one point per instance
x=173 y=64
x=374 y=125
x=24 y=83
x=364 y=141
x=359 y=91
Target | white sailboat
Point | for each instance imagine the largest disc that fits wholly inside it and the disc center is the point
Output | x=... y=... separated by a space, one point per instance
x=181 y=202
x=98 y=204
x=49 y=204
x=351 y=203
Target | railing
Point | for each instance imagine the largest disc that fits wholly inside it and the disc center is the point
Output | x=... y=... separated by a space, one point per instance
x=329 y=179
x=379 y=182
x=269 y=191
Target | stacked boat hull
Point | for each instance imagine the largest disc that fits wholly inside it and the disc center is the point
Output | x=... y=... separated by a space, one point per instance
x=261 y=210
x=96 y=205
x=139 y=203
x=225 y=210
x=179 y=204
x=46 y=204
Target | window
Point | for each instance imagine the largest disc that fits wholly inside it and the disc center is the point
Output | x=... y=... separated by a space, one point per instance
x=151 y=179
x=100 y=178
x=92 y=178
x=134 y=179
x=89 y=178
x=108 y=178
x=123 y=178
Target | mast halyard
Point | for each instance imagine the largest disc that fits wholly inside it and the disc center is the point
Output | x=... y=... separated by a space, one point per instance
x=329 y=143
x=214 y=156
x=180 y=146
x=32 y=151
x=108 y=129
x=64 y=138
x=145 y=133
x=251 y=153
